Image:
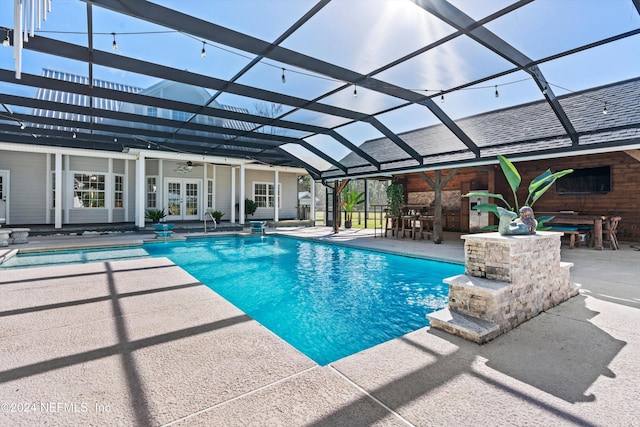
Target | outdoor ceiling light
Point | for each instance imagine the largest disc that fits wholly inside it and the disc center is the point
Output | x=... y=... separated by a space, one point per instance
x=189 y=165
x=115 y=43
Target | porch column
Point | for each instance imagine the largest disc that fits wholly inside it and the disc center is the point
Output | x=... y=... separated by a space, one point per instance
x=276 y=205
x=67 y=196
x=312 y=211
x=58 y=194
x=233 y=195
x=242 y=193
x=140 y=190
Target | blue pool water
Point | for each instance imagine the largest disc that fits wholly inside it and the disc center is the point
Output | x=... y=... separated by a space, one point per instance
x=328 y=301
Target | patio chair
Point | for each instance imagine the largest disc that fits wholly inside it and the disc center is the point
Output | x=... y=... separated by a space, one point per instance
x=391 y=222
x=407 y=220
x=422 y=225
x=610 y=232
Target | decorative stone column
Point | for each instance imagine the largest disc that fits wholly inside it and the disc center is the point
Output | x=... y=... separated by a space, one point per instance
x=508 y=280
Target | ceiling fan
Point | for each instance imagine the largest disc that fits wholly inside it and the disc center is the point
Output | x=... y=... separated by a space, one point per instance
x=187 y=167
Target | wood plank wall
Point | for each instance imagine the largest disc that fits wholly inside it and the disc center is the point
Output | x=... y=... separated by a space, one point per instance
x=623 y=200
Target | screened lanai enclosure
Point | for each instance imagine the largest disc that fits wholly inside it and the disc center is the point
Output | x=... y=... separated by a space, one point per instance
x=339 y=89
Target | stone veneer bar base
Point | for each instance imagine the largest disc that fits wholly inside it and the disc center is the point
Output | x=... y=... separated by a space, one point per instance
x=508 y=280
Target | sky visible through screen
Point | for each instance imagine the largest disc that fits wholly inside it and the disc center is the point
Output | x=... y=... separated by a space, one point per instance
x=361 y=35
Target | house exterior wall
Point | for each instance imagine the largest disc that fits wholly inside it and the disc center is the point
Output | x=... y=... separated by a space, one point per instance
x=289 y=196
x=27 y=191
x=622 y=200
x=222 y=192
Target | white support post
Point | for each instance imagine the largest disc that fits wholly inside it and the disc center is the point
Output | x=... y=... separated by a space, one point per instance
x=242 y=193
x=109 y=187
x=233 y=195
x=67 y=196
x=276 y=205
x=312 y=213
x=140 y=190
x=59 y=189
x=125 y=189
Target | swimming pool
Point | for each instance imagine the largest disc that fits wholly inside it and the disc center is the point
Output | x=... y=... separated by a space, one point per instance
x=328 y=301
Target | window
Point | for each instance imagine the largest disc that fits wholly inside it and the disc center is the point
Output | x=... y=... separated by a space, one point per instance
x=118 y=191
x=263 y=194
x=152 y=192
x=209 y=194
x=182 y=116
x=88 y=190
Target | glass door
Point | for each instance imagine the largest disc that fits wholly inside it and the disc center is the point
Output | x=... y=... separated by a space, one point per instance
x=183 y=199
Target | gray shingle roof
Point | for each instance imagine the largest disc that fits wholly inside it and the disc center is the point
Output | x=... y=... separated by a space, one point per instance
x=528 y=128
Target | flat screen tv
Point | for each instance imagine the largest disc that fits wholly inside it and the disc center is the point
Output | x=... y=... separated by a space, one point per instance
x=585 y=181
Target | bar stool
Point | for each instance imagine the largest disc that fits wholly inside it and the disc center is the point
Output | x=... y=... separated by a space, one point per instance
x=423 y=226
x=391 y=223
x=407 y=220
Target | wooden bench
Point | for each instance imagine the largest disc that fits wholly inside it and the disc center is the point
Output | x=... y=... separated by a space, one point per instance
x=572 y=232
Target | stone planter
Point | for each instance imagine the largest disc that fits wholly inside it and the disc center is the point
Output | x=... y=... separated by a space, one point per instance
x=508 y=280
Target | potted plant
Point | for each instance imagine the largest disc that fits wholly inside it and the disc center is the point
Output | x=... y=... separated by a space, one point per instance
x=350 y=200
x=217 y=215
x=395 y=194
x=155 y=215
x=250 y=207
x=537 y=187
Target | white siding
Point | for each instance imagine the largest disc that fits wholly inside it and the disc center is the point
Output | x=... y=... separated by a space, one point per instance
x=27 y=190
x=222 y=183
x=289 y=196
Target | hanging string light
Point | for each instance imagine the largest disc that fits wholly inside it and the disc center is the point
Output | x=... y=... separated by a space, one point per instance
x=604 y=110
x=442 y=97
x=6 y=42
x=204 y=52
x=22 y=125
x=284 y=79
x=497 y=94
x=115 y=43
x=355 y=91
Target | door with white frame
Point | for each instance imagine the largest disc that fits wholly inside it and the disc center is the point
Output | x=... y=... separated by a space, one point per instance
x=182 y=198
x=4 y=196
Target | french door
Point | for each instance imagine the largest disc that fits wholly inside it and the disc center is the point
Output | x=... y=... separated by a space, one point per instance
x=183 y=199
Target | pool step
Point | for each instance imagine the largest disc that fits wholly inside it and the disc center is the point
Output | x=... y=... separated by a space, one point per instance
x=463 y=325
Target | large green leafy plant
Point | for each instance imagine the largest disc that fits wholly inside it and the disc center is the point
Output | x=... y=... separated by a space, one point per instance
x=537 y=187
x=350 y=200
x=395 y=193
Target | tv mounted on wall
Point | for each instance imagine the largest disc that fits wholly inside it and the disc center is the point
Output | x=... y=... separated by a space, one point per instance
x=585 y=181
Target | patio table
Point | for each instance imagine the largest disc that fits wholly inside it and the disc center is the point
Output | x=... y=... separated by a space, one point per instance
x=568 y=219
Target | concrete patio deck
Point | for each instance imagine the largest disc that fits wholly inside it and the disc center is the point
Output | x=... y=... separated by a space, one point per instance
x=141 y=342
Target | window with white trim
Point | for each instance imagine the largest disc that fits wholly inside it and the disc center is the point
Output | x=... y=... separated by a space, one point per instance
x=181 y=116
x=88 y=190
x=118 y=191
x=209 y=194
x=152 y=192
x=263 y=194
